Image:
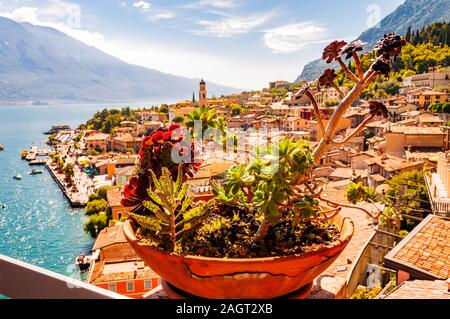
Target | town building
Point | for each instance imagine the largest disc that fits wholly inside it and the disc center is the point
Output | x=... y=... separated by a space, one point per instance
x=290 y=124
x=98 y=141
x=329 y=95
x=180 y=111
x=147 y=127
x=424 y=253
x=388 y=165
x=421 y=289
x=113 y=196
x=423 y=98
x=413 y=138
x=279 y=109
x=126 y=142
x=438 y=185
x=123 y=174
x=146 y=116
x=118 y=268
x=278 y=84
x=430 y=80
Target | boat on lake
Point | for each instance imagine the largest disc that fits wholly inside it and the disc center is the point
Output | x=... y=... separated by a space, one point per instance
x=17 y=177
x=34 y=172
x=1 y=148
x=37 y=162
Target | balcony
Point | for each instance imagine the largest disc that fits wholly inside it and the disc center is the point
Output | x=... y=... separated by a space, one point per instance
x=20 y=280
x=440 y=203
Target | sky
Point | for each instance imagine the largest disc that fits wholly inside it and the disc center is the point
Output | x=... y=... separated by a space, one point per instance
x=243 y=44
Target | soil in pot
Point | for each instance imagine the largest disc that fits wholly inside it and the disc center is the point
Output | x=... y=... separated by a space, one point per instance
x=230 y=228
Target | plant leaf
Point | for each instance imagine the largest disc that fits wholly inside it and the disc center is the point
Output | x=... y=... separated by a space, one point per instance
x=147 y=222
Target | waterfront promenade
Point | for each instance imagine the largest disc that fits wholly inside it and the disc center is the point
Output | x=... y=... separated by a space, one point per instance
x=82 y=185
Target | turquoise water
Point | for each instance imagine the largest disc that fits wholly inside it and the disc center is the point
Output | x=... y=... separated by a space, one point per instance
x=38 y=226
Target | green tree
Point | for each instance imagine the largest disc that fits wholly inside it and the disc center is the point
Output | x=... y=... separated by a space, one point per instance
x=408 y=35
x=96 y=207
x=95 y=223
x=204 y=114
x=164 y=108
x=178 y=119
x=408 y=195
x=235 y=109
x=102 y=192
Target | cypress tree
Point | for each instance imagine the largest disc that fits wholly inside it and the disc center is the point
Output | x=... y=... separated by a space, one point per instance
x=446 y=37
x=408 y=35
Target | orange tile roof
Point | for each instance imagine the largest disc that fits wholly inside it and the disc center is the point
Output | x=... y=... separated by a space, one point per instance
x=425 y=251
x=110 y=236
x=120 y=271
x=420 y=289
x=114 y=195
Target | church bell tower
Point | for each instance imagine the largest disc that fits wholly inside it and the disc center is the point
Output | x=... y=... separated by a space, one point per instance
x=203 y=94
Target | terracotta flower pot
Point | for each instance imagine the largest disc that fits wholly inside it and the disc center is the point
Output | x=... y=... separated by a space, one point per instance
x=252 y=278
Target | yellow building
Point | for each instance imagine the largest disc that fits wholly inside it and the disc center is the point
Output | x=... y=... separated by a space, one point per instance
x=425 y=98
x=292 y=124
x=279 y=109
x=98 y=142
x=124 y=142
x=401 y=138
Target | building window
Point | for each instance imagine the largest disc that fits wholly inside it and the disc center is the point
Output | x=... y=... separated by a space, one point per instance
x=147 y=284
x=112 y=287
x=130 y=286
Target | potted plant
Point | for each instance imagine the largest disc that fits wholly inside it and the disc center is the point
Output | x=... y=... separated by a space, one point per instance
x=268 y=231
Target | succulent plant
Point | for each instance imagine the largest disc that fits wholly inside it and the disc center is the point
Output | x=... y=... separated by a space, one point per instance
x=304 y=89
x=157 y=152
x=170 y=211
x=378 y=108
x=390 y=45
x=353 y=47
x=327 y=78
x=333 y=51
x=382 y=66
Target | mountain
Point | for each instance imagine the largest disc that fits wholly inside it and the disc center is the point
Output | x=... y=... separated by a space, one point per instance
x=42 y=65
x=414 y=13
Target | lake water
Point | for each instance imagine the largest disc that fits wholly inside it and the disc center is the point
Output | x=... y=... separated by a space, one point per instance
x=38 y=226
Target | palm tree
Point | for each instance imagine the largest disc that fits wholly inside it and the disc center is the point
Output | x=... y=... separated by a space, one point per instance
x=220 y=124
x=205 y=115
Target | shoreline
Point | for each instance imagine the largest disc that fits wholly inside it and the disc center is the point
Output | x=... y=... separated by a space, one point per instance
x=72 y=202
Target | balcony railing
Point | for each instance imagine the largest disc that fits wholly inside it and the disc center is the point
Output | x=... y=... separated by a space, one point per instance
x=439 y=206
x=20 y=280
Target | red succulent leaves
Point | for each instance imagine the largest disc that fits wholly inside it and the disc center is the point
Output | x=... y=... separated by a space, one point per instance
x=333 y=51
x=327 y=77
x=382 y=66
x=353 y=47
x=378 y=108
x=156 y=153
x=390 y=45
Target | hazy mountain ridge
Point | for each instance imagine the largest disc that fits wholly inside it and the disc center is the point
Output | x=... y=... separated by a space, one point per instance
x=414 y=13
x=43 y=65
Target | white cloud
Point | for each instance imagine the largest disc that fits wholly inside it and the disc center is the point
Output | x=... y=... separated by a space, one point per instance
x=122 y=4
x=142 y=5
x=230 y=26
x=167 y=59
x=59 y=15
x=162 y=16
x=294 y=37
x=221 y=4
